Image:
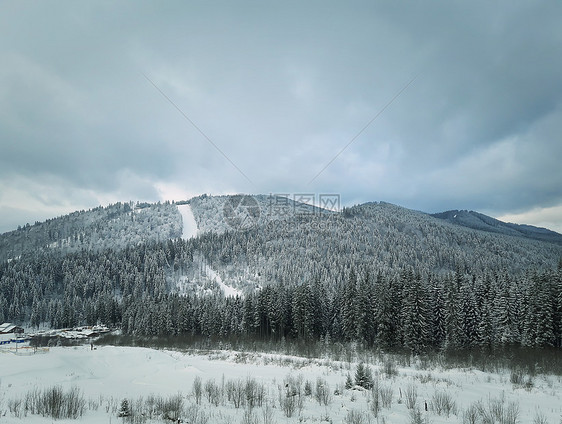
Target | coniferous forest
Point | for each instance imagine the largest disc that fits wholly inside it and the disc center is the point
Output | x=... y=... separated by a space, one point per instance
x=379 y=275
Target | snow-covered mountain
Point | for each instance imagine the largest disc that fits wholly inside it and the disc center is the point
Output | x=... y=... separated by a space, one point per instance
x=253 y=265
x=482 y=222
x=386 y=235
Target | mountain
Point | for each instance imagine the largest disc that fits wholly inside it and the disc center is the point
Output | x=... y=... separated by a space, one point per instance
x=478 y=221
x=384 y=236
x=271 y=267
x=113 y=227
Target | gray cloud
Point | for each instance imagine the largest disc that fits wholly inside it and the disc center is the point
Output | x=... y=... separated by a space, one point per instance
x=280 y=88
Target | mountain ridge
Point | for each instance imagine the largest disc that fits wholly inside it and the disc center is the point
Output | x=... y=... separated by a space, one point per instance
x=479 y=221
x=381 y=230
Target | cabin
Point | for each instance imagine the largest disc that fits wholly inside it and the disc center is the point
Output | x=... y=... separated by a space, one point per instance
x=9 y=328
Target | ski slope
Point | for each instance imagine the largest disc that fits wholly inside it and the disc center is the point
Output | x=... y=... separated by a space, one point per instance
x=189 y=225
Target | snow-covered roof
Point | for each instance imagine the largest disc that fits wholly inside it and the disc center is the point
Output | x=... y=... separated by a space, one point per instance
x=8 y=327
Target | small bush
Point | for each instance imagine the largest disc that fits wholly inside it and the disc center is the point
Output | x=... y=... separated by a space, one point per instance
x=411 y=396
x=364 y=376
x=125 y=409
x=356 y=417
x=495 y=412
x=443 y=403
x=236 y=392
x=539 y=418
x=516 y=377
x=172 y=408
x=386 y=393
x=194 y=415
x=348 y=382
x=212 y=392
x=255 y=393
x=308 y=388
x=287 y=402
x=267 y=414
x=416 y=416
x=470 y=415
x=249 y=417
x=197 y=389
x=322 y=392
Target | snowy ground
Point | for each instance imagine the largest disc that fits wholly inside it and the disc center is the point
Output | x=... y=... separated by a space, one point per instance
x=189 y=228
x=109 y=374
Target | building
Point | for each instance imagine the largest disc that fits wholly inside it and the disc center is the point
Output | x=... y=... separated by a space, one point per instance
x=9 y=328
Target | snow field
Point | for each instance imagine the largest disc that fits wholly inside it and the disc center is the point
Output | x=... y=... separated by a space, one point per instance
x=109 y=374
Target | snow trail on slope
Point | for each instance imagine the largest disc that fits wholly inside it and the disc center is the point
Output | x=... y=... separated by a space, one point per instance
x=229 y=291
x=189 y=225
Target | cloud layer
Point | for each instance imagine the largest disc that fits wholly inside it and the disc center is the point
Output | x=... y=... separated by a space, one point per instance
x=280 y=89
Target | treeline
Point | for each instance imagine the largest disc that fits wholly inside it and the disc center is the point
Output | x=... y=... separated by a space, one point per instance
x=405 y=311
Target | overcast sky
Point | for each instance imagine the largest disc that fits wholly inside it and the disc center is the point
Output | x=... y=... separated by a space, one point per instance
x=280 y=88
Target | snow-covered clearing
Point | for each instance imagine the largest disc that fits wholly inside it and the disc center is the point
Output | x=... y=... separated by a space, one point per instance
x=229 y=291
x=109 y=374
x=189 y=225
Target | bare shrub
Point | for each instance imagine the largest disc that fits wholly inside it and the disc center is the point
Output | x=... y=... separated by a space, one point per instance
x=150 y=406
x=287 y=402
x=496 y=407
x=516 y=377
x=497 y=411
x=54 y=402
x=255 y=393
x=212 y=392
x=375 y=405
x=194 y=415
x=389 y=368
x=172 y=408
x=386 y=393
x=236 y=392
x=197 y=389
x=470 y=415
x=15 y=407
x=322 y=392
x=411 y=396
x=290 y=396
x=443 y=403
x=307 y=388
x=267 y=414
x=356 y=417
x=511 y=415
x=249 y=417
x=539 y=418
x=416 y=416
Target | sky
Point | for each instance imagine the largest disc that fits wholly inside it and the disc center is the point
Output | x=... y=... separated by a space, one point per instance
x=429 y=105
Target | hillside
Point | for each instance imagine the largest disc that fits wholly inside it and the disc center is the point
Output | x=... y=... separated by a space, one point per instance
x=113 y=227
x=478 y=221
x=263 y=234
x=374 y=273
